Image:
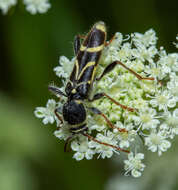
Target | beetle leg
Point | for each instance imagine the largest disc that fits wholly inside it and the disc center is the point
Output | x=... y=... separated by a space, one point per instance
x=108 y=43
x=98 y=112
x=103 y=143
x=77 y=43
x=100 y=95
x=67 y=142
x=111 y=66
x=82 y=37
x=72 y=136
x=58 y=116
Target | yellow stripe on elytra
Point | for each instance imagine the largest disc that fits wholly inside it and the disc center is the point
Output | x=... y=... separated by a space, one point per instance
x=101 y=27
x=91 y=63
x=91 y=49
x=77 y=69
x=83 y=48
x=95 y=49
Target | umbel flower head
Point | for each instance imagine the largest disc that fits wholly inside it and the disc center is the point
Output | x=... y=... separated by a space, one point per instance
x=155 y=117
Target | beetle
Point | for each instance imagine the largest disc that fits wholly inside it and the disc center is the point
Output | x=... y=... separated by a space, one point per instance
x=82 y=77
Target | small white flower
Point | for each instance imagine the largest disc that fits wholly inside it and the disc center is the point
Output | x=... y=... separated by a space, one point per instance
x=140 y=104
x=172 y=85
x=163 y=100
x=63 y=132
x=142 y=53
x=157 y=142
x=168 y=62
x=154 y=71
x=47 y=113
x=125 y=52
x=5 y=5
x=103 y=150
x=171 y=121
x=135 y=93
x=109 y=54
x=171 y=60
x=147 y=39
x=103 y=105
x=117 y=41
x=98 y=127
x=128 y=126
x=146 y=118
x=65 y=67
x=134 y=164
x=125 y=138
x=82 y=149
x=137 y=65
x=37 y=6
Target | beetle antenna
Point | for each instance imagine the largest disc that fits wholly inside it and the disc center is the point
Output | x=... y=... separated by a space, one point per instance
x=67 y=142
x=55 y=90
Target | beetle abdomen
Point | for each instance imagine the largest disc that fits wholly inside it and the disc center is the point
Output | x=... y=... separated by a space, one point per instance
x=74 y=112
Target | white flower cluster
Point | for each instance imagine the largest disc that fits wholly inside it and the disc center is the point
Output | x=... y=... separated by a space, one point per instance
x=32 y=6
x=37 y=6
x=6 y=4
x=155 y=119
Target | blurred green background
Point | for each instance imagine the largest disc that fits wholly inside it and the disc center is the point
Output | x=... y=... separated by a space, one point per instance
x=31 y=158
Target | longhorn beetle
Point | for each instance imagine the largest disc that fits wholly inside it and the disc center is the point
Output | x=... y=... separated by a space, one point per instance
x=81 y=80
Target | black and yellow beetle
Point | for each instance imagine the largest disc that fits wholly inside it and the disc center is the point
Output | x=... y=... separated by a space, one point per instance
x=80 y=83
